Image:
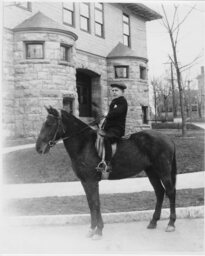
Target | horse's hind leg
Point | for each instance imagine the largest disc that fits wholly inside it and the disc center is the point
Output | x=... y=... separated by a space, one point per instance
x=92 y=194
x=170 y=190
x=159 y=191
x=171 y=194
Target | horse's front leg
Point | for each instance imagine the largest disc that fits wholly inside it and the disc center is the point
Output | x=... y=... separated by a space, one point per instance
x=92 y=193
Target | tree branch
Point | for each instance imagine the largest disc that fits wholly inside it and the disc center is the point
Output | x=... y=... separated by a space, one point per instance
x=191 y=63
x=185 y=17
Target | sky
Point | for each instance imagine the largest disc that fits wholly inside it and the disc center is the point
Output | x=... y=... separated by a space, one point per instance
x=191 y=38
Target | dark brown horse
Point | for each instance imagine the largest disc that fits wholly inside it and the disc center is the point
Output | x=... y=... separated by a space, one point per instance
x=146 y=150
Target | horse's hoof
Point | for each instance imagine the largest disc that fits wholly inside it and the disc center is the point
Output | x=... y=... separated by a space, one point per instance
x=96 y=237
x=90 y=233
x=170 y=228
x=152 y=225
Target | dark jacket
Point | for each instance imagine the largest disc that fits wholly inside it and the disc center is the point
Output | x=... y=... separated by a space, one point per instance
x=116 y=117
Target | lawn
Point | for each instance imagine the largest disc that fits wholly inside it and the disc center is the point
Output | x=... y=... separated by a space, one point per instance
x=26 y=166
x=109 y=203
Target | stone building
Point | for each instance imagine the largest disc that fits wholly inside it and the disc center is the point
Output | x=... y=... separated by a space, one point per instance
x=53 y=50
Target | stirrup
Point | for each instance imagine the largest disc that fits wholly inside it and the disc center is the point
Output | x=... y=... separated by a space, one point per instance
x=104 y=169
x=102 y=166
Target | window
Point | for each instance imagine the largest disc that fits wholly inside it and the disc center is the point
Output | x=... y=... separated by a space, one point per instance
x=143 y=73
x=34 y=50
x=121 y=71
x=68 y=13
x=99 y=26
x=85 y=17
x=24 y=5
x=126 y=30
x=65 y=52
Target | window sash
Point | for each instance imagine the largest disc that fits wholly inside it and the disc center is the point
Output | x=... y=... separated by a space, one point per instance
x=143 y=73
x=126 y=40
x=65 y=53
x=121 y=71
x=84 y=10
x=68 y=16
x=99 y=22
x=68 y=5
x=99 y=6
x=34 y=51
x=99 y=29
x=126 y=30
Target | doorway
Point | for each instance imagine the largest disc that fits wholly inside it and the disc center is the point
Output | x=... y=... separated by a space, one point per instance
x=84 y=90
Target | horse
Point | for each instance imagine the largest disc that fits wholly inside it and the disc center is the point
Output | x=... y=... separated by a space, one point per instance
x=146 y=150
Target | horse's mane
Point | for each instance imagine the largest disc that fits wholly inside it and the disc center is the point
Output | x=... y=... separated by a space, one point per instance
x=68 y=117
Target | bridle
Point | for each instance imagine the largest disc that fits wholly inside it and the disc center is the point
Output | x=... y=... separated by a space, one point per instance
x=54 y=141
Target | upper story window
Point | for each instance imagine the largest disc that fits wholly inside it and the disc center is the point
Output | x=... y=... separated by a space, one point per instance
x=143 y=73
x=126 y=30
x=99 y=22
x=121 y=71
x=85 y=16
x=68 y=13
x=65 y=52
x=24 y=5
x=34 y=50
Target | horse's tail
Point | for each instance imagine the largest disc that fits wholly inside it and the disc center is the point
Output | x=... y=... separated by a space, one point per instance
x=174 y=168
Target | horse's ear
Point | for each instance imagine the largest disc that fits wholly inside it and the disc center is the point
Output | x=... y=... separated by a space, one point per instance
x=46 y=108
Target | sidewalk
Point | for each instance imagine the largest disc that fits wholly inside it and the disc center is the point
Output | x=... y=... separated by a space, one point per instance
x=188 y=180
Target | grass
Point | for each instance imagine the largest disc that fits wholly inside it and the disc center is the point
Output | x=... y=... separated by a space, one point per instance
x=26 y=166
x=109 y=203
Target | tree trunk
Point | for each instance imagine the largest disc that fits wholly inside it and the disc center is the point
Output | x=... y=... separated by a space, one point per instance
x=179 y=85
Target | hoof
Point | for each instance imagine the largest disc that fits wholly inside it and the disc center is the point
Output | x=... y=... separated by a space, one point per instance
x=170 y=228
x=96 y=237
x=90 y=233
x=152 y=225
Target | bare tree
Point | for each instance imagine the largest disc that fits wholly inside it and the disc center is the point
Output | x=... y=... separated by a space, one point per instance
x=173 y=27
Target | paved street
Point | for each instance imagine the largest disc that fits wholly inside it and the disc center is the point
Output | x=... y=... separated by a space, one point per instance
x=131 y=237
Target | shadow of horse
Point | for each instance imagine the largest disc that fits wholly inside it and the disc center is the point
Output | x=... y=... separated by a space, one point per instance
x=147 y=150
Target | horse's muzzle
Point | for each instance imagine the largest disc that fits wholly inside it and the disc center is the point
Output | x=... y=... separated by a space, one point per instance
x=42 y=147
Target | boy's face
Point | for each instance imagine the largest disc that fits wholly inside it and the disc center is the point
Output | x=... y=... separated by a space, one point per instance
x=116 y=92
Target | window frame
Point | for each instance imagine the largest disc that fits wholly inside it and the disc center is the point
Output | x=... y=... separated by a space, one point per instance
x=73 y=15
x=28 y=8
x=121 y=66
x=143 y=72
x=128 y=36
x=26 y=43
x=68 y=52
x=103 y=20
x=87 y=18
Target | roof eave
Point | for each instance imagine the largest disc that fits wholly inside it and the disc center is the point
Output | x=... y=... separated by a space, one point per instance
x=143 y=11
x=30 y=29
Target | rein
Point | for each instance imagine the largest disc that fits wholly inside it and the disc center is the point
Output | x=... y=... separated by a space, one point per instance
x=53 y=142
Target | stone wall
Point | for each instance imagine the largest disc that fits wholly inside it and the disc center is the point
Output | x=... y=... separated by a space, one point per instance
x=38 y=82
x=8 y=89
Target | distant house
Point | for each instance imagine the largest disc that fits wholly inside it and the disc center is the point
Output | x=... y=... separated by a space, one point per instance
x=53 y=50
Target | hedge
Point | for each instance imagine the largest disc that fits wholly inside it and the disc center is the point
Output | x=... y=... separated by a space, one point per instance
x=189 y=126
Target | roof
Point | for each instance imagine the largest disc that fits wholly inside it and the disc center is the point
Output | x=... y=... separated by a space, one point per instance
x=40 y=21
x=142 y=11
x=121 y=51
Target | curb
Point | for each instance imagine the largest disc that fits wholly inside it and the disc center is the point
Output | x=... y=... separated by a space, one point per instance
x=183 y=212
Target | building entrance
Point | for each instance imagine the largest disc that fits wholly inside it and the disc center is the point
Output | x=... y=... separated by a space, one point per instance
x=84 y=94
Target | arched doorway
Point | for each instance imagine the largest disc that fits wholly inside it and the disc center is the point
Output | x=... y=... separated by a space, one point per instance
x=88 y=89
